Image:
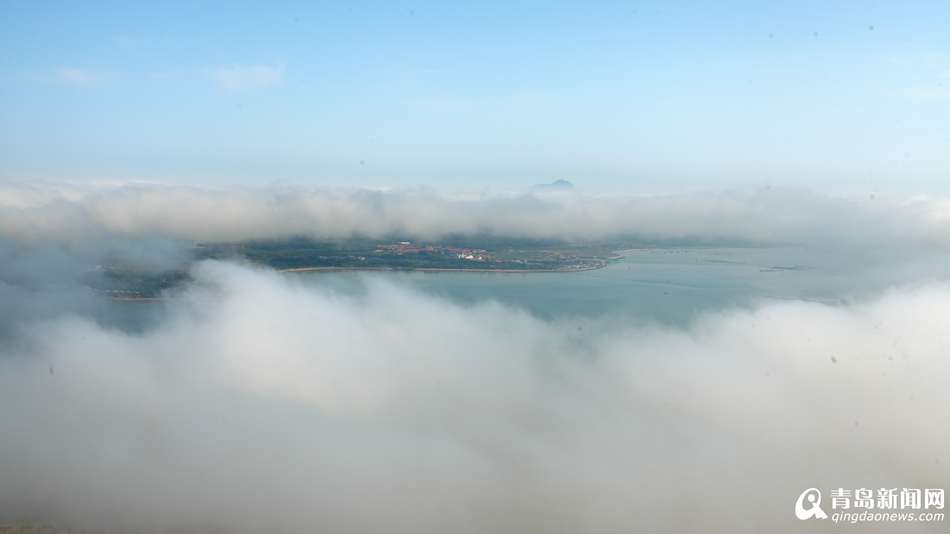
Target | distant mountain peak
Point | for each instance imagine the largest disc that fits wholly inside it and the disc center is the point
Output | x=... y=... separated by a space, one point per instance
x=553 y=187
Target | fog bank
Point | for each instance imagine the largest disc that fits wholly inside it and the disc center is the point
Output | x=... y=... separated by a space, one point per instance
x=261 y=404
x=30 y=212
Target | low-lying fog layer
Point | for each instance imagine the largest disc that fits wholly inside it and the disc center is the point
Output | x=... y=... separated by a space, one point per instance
x=258 y=403
x=30 y=212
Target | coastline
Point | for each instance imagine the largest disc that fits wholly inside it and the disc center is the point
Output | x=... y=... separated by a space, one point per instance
x=438 y=270
x=601 y=265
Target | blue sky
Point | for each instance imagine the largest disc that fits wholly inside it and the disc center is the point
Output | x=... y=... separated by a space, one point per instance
x=841 y=96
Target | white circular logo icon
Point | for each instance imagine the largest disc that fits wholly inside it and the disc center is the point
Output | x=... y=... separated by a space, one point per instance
x=808 y=505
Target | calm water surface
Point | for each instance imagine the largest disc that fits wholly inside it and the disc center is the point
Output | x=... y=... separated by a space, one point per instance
x=669 y=286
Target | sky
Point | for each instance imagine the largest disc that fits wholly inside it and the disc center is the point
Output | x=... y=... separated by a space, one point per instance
x=627 y=96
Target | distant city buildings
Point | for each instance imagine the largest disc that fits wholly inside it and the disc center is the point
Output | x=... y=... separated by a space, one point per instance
x=406 y=247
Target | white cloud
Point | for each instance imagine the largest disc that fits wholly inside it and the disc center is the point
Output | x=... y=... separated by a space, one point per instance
x=259 y=403
x=29 y=212
x=248 y=77
x=78 y=76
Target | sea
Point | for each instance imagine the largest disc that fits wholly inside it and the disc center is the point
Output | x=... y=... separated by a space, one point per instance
x=669 y=286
